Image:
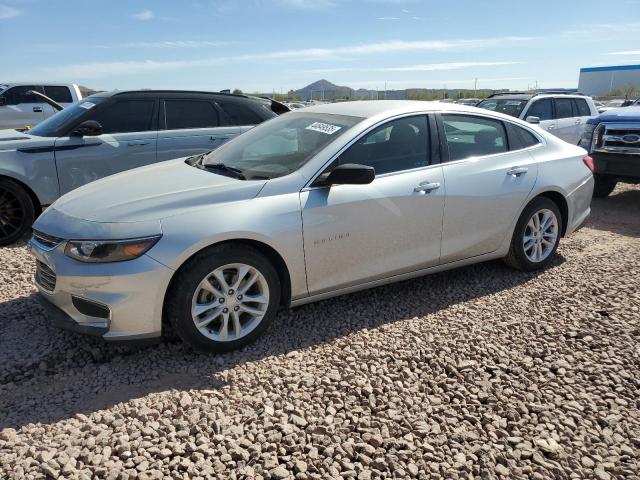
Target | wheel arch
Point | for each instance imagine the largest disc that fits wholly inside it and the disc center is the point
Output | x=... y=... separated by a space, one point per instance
x=562 y=204
x=37 y=205
x=267 y=250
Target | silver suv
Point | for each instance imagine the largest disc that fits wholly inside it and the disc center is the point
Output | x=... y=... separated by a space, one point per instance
x=562 y=114
x=107 y=133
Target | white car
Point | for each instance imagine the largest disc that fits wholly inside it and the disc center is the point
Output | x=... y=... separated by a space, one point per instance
x=19 y=109
x=315 y=203
x=564 y=115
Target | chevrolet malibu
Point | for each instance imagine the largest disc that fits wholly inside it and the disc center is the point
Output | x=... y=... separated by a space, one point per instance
x=313 y=204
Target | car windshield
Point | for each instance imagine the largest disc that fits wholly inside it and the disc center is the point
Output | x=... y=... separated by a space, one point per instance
x=64 y=119
x=508 y=106
x=280 y=146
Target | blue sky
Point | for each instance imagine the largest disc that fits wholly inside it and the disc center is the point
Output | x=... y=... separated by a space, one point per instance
x=260 y=45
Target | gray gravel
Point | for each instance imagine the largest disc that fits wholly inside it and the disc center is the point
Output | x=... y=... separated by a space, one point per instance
x=481 y=372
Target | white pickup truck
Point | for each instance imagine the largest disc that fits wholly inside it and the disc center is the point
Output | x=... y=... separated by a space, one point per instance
x=19 y=109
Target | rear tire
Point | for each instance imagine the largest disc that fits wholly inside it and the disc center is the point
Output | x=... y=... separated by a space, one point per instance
x=17 y=212
x=603 y=185
x=536 y=236
x=223 y=298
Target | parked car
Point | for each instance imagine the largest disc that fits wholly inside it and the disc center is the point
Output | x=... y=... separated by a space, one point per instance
x=19 y=109
x=315 y=203
x=613 y=140
x=561 y=114
x=611 y=104
x=471 y=102
x=108 y=133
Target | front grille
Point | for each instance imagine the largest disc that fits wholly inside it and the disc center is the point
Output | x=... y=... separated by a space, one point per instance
x=618 y=138
x=48 y=241
x=45 y=277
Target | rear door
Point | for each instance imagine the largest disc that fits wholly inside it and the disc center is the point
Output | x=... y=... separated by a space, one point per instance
x=566 y=127
x=21 y=109
x=190 y=126
x=128 y=141
x=487 y=180
x=582 y=113
x=543 y=109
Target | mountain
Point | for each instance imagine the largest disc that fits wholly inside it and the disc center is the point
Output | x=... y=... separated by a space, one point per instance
x=324 y=90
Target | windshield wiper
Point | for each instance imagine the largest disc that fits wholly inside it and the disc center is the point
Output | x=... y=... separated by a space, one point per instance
x=235 y=172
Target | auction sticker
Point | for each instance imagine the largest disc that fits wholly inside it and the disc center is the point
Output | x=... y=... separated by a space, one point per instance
x=87 y=105
x=323 y=128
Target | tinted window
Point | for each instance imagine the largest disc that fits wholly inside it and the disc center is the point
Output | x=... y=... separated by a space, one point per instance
x=563 y=108
x=241 y=114
x=395 y=146
x=541 y=109
x=508 y=106
x=190 y=114
x=582 y=107
x=469 y=136
x=126 y=116
x=527 y=139
x=59 y=94
x=17 y=95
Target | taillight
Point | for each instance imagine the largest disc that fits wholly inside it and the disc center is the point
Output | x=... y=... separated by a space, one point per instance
x=588 y=161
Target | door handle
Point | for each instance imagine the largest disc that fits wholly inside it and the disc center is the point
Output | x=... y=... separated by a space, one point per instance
x=578 y=122
x=135 y=143
x=426 y=187
x=550 y=127
x=37 y=109
x=213 y=139
x=517 y=171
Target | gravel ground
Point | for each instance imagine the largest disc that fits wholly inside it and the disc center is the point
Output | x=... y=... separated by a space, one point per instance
x=481 y=372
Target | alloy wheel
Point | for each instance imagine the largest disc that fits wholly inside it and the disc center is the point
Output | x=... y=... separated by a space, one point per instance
x=540 y=235
x=230 y=302
x=11 y=214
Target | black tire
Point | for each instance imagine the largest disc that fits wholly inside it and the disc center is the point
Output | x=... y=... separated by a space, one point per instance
x=17 y=212
x=517 y=257
x=184 y=285
x=603 y=185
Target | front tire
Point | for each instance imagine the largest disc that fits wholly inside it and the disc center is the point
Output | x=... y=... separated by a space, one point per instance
x=603 y=185
x=223 y=298
x=536 y=236
x=17 y=212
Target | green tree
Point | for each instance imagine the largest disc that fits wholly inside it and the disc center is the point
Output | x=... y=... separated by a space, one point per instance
x=237 y=91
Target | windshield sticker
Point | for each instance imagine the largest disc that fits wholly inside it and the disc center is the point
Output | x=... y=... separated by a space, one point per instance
x=87 y=105
x=323 y=128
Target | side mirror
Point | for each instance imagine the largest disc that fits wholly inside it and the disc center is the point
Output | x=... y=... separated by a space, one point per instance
x=88 y=128
x=532 y=119
x=3 y=101
x=351 y=174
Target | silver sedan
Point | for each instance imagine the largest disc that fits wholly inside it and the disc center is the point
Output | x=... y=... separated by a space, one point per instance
x=313 y=204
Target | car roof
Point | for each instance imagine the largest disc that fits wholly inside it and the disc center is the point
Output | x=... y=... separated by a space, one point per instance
x=169 y=92
x=372 y=108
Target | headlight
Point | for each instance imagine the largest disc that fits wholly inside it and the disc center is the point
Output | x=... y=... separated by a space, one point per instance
x=105 y=251
x=587 y=136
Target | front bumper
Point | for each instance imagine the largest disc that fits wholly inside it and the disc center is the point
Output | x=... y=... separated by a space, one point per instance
x=132 y=291
x=617 y=164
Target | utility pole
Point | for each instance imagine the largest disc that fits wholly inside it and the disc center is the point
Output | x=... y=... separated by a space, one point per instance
x=475 y=88
x=385 y=90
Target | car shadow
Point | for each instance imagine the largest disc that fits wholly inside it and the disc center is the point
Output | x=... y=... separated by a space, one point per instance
x=42 y=368
x=618 y=213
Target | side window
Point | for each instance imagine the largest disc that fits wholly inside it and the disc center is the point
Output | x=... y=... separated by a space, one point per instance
x=190 y=114
x=541 y=109
x=397 y=145
x=60 y=94
x=563 y=108
x=126 y=116
x=469 y=136
x=240 y=114
x=17 y=95
x=582 y=107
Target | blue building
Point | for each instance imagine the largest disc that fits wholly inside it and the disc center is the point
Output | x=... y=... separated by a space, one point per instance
x=596 y=81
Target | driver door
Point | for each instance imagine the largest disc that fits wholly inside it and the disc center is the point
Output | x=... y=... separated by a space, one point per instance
x=354 y=234
x=128 y=140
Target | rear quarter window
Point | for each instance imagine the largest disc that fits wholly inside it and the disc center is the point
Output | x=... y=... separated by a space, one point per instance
x=241 y=114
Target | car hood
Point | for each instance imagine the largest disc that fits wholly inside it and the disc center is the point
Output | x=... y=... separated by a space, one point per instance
x=153 y=193
x=621 y=115
x=13 y=140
